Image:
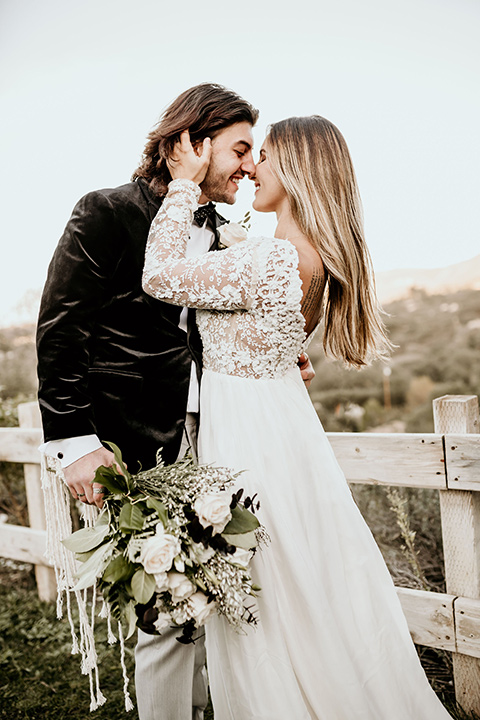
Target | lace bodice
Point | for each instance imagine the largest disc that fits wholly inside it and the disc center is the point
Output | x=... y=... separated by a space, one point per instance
x=248 y=297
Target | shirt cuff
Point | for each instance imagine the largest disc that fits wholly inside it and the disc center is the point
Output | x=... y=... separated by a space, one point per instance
x=68 y=450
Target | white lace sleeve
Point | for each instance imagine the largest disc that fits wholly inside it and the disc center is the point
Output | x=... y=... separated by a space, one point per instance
x=223 y=280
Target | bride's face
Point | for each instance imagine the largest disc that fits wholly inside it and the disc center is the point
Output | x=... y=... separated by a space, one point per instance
x=269 y=194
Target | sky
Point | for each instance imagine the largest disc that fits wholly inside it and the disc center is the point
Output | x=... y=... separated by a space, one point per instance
x=82 y=82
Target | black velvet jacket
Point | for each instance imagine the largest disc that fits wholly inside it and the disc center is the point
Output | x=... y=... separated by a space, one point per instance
x=112 y=360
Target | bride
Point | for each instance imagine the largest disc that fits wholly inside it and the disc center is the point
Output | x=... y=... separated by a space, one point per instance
x=331 y=642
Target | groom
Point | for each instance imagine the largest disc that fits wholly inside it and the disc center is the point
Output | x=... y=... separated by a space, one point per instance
x=115 y=364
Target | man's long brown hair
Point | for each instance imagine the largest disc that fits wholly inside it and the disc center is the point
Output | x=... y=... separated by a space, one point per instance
x=204 y=110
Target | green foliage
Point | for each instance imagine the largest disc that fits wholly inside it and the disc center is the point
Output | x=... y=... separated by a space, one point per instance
x=243 y=521
x=131 y=517
x=13 y=500
x=86 y=539
x=437 y=341
x=17 y=362
x=39 y=678
x=143 y=586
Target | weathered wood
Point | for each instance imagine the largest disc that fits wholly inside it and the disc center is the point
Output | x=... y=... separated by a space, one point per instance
x=29 y=417
x=408 y=460
x=20 y=445
x=467 y=623
x=462 y=454
x=430 y=617
x=460 y=512
x=23 y=544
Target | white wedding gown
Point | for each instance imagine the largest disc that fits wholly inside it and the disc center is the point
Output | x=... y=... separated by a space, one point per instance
x=332 y=642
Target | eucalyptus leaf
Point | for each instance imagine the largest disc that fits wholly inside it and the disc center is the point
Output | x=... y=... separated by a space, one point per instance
x=102 y=519
x=119 y=460
x=84 y=556
x=243 y=521
x=92 y=568
x=246 y=540
x=157 y=505
x=131 y=619
x=110 y=478
x=86 y=539
x=143 y=586
x=130 y=518
x=118 y=569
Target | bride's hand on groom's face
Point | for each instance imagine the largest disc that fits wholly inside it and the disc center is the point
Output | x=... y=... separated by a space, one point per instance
x=187 y=162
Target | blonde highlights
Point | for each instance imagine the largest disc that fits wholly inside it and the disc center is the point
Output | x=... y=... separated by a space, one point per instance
x=310 y=158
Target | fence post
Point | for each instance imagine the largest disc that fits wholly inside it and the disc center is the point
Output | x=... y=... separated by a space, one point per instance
x=29 y=417
x=460 y=512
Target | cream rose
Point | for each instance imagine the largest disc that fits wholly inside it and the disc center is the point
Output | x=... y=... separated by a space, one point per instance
x=161 y=580
x=159 y=551
x=214 y=510
x=242 y=557
x=231 y=233
x=180 y=586
x=200 y=608
x=162 y=621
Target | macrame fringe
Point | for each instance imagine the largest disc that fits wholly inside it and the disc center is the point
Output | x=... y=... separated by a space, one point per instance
x=128 y=701
x=59 y=526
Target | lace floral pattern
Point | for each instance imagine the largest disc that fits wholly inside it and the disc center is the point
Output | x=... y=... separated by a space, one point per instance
x=257 y=281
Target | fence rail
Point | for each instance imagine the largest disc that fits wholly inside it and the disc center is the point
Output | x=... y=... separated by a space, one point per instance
x=447 y=461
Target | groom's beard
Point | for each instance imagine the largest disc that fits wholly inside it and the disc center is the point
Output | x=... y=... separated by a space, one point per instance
x=215 y=186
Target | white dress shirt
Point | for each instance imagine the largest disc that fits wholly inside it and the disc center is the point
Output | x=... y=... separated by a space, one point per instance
x=68 y=450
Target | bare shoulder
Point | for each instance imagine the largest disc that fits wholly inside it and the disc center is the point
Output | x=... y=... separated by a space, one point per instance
x=313 y=276
x=310 y=264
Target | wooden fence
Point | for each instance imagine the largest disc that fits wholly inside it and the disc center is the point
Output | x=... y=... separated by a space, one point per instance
x=447 y=461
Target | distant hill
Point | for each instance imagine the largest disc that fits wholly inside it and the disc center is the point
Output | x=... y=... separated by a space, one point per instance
x=395 y=284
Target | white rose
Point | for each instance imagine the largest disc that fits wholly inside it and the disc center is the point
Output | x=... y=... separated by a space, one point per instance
x=162 y=621
x=231 y=233
x=159 y=551
x=179 y=563
x=180 y=614
x=242 y=557
x=161 y=582
x=180 y=586
x=200 y=608
x=214 y=510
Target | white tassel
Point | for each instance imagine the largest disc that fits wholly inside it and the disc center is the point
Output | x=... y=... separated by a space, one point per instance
x=89 y=514
x=104 y=610
x=128 y=702
x=93 y=699
x=110 y=636
x=59 y=526
x=75 y=646
x=101 y=699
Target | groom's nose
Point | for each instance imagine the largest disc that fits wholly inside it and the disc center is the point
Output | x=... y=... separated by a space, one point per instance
x=248 y=166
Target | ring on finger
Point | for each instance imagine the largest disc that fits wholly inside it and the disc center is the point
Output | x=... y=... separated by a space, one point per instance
x=98 y=491
x=81 y=494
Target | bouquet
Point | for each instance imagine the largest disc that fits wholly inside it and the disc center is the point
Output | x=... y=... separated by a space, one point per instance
x=170 y=547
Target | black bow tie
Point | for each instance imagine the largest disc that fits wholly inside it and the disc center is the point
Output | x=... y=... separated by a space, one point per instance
x=207 y=212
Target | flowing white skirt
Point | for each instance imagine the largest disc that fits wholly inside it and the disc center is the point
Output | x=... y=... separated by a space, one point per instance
x=332 y=642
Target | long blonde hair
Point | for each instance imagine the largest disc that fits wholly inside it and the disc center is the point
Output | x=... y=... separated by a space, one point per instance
x=310 y=158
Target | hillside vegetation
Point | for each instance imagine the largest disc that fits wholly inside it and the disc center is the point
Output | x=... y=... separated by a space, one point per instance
x=437 y=353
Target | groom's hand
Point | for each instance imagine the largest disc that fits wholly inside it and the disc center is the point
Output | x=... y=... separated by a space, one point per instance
x=306 y=369
x=187 y=162
x=79 y=476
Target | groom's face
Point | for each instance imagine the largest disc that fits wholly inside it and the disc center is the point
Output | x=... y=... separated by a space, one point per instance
x=231 y=160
